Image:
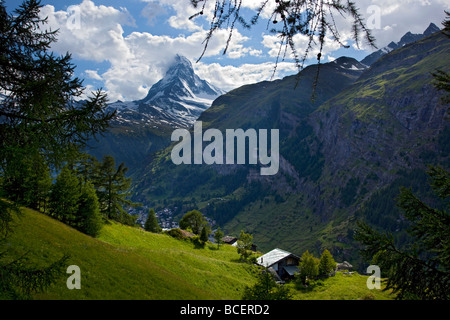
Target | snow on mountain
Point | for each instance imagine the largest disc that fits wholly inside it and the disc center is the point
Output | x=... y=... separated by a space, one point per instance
x=178 y=98
x=406 y=39
x=349 y=64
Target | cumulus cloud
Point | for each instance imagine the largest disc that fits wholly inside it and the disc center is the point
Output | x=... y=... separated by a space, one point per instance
x=401 y=16
x=92 y=74
x=231 y=77
x=139 y=59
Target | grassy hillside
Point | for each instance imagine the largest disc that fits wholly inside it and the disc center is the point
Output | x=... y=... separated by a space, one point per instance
x=343 y=287
x=128 y=263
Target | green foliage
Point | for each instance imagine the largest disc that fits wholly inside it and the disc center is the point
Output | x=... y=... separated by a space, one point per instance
x=128 y=263
x=8 y=210
x=340 y=287
x=27 y=181
x=327 y=265
x=64 y=197
x=423 y=270
x=266 y=289
x=309 y=268
x=89 y=218
x=151 y=224
x=38 y=111
x=75 y=203
x=218 y=235
x=112 y=187
x=41 y=127
x=442 y=82
x=224 y=211
x=193 y=220
x=204 y=235
x=175 y=233
x=19 y=281
x=244 y=245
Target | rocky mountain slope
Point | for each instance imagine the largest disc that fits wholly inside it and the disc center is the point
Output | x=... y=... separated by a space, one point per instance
x=343 y=155
x=406 y=39
x=144 y=126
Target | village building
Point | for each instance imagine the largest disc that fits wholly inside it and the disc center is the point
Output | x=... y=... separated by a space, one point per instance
x=232 y=241
x=284 y=263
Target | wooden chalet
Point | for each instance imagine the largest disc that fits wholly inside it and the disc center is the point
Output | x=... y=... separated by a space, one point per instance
x=284 y=263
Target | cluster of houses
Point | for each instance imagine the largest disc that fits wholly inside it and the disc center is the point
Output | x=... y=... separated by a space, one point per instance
x=165 y=217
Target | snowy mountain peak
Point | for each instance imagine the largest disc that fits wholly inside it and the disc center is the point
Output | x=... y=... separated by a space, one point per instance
x=181 y=94
x=176 y=100
x=181 y=68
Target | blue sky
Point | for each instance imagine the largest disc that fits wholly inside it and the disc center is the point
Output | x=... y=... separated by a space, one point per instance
x=125 y=47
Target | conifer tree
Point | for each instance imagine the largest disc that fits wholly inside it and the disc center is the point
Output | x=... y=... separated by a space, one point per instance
x=266 y=289
x=151 y=224
x=27 y=181
x=65 y=196
x=89 y=219
x=204 y=234
x=113 y=189
x=326 y=264
x=39 y=184
x=421 y=271
x=313 y=20
x=39 y=117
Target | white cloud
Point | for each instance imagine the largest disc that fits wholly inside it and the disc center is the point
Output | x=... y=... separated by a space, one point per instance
x=139 y=59
x=272 y=42
x=401 y=16
x=231 y=77
x=92 y=74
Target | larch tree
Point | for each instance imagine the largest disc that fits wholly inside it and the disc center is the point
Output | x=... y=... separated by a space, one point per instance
x=112 y=187
x=422 y=270
x=40 y=117
x=312 y=19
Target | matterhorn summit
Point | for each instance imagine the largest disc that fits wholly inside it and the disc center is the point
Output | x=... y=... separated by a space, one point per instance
x=177 y=99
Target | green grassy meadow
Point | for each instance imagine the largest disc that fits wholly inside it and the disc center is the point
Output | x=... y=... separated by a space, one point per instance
x=126 y=263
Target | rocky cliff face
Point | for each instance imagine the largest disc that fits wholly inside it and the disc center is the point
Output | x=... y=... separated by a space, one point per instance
x=389 y=117
x=368 y=132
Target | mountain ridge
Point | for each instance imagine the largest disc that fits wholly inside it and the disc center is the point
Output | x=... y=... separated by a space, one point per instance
x=144 y=126
x=382 y=124
x=405 y=39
